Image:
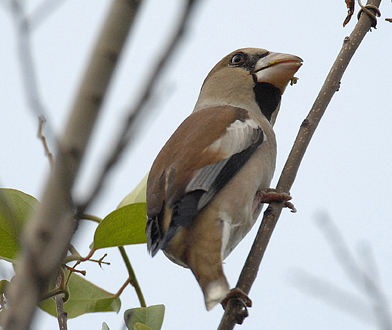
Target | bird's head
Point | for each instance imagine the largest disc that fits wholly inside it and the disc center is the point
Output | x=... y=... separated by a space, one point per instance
x=250 y=78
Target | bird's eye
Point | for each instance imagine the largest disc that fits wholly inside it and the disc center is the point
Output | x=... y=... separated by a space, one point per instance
x=237 y=59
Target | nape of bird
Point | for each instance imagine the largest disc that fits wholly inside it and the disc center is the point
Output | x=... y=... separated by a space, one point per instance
x=205 y=186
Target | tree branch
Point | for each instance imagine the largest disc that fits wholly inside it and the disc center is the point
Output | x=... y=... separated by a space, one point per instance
x=306 y=131
x=363 y=277
x=46 y=238
x=140 y=105
x=62 y=315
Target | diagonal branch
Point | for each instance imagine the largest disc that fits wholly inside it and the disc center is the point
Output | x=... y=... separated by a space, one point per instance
x=44 y=10
x=139 y=108
x=46 y=239
x=306 y=131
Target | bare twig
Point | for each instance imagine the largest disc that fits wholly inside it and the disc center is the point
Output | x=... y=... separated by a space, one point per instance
x=61 y=313
x=363 y=278
x=42 y=137
x=27 y=64
x=79 y=259
x=120 y=291
x=307 y=129
x=47 y=236
x=52 y=293
x=43 y=11
x=340 y=249
x=333 y=295
x=137 y=109
x=74 y=270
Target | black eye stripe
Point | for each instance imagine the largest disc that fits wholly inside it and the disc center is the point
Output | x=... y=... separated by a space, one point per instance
x=263 y=55
x=246 y=61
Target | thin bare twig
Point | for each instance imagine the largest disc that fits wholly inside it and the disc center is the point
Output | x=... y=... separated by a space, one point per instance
x=27 y=64
x=120 y=291
x=139 y=107
x=43 y=11
x=52 y=293
x=307 y=129
x=42 y=137
x=74 y=270
x=362 y=273
x=364 y=278
x=47 y=236
x=61 y=313
x=333 y=295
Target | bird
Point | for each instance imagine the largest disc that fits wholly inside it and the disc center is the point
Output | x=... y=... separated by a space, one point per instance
x=207 y=185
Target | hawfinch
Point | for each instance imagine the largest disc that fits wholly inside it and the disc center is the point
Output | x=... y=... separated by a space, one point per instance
x=203 y=190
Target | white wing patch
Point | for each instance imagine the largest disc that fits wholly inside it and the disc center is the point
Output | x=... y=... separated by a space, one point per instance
x=239 y=135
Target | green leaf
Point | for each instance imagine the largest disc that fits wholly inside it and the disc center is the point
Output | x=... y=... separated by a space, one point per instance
x=15 y=209
x=3 y=286
x=138 y=195
x=123 y=226
x=151 y=317
x=105 y=326
x=127 y=224
x=84 y=297
x=140 y=326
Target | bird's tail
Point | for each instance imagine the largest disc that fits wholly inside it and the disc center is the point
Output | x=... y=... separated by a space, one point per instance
x=215 y=291
x=209 y=274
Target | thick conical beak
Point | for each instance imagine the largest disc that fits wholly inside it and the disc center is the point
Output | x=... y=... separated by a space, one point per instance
x=277 y=69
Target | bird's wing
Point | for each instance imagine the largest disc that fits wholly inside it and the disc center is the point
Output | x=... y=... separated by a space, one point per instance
x=202 y=155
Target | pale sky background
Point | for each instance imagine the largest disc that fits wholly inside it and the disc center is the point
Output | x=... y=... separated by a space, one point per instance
x=346 y=171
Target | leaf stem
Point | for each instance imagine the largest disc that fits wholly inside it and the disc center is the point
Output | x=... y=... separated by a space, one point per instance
x=52 y=293
x=91 y=217
x=120 y=291
x=132 y=277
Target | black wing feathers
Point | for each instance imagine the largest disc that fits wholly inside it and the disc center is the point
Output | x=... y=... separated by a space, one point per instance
x=187 y=208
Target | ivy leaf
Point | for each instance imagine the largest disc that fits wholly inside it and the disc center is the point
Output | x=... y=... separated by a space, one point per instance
x=15 y=209
x=84 y=297
x=3 y=286
x=105 y=326
x=127 y=224
x=123 y=226
x=151 y=317
x=138 y=195
x=140 y=326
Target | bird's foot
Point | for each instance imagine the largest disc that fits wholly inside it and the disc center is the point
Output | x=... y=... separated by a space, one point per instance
x=270 y=195
x=241 y=301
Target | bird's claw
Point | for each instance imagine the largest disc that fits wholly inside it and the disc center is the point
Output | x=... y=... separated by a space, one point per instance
x=290 y=206
x=242 y=301
x=270 y=195
x=237 y=293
